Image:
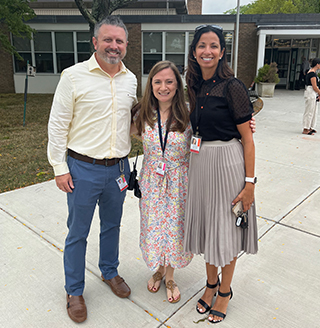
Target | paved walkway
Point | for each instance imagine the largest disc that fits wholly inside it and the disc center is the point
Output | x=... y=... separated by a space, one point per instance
x=278 y=287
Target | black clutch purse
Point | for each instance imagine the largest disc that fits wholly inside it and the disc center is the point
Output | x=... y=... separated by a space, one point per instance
x=133 y=181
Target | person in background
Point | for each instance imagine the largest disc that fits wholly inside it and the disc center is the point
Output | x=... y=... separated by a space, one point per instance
x=303 y=71
x=311 y=98
x=222 y=173
x=89 y=140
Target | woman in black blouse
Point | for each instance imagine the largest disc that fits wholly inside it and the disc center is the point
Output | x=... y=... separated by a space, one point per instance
x=310 y=95
x=222 y=172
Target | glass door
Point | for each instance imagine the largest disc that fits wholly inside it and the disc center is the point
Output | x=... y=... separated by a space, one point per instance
x=293 y=79
x=283 y=61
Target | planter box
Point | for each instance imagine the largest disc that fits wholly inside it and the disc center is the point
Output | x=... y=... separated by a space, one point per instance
x=266 y=89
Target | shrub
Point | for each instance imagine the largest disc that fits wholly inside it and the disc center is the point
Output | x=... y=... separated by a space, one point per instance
x=268 y=74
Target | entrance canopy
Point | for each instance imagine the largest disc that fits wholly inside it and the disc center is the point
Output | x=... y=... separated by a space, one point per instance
x=289 y=46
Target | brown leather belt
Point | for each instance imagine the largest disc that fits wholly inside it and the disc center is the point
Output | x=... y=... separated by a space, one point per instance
x=87 y=159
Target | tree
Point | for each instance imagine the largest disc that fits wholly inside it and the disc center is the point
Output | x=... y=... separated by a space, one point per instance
x=100 y=9
x=243 y=9
x=13 y=15
x=273 y=7
x=279 y=6
x=308 y=6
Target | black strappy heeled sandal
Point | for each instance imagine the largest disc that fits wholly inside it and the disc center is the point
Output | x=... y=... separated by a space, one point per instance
x=202 y=302
x=217 y=313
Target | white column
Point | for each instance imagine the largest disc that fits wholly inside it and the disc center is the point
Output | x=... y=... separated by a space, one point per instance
x=261 y=48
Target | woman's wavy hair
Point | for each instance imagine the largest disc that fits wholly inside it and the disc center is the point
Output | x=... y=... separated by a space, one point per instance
x=194 y=75
x=179 y=115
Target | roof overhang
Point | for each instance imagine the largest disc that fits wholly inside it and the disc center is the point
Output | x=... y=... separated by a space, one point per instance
x=297 y=30
x=179 y=5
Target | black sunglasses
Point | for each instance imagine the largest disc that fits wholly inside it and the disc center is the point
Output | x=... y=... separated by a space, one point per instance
x=200 y=27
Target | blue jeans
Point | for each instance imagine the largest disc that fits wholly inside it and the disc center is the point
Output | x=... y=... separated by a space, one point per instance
x=92 y=184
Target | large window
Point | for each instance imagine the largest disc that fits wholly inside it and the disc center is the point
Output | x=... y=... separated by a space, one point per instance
x=52 y=52
x=64 y=50
x=175 y=49
x=83 y=45
x=43 y=52
x=307 y=47
x=23 y=47
x=191 y=36
x=229 y=42
x=152 y=50
x=172 y=46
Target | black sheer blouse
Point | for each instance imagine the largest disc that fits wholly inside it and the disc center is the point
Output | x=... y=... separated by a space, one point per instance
x=309 y=76
x=220 y=106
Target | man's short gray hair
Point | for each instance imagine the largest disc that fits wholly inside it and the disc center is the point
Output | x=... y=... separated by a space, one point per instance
x=110 y=20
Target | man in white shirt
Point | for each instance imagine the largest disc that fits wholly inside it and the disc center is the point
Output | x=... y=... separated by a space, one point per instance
x=89 y=140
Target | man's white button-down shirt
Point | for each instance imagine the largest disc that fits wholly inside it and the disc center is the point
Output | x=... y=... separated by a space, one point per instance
x=90 y=114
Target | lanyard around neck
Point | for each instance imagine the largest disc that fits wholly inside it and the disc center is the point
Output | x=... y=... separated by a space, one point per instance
x=162 y=143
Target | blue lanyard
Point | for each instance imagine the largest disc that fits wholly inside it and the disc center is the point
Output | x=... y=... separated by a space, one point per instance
x=162 y=143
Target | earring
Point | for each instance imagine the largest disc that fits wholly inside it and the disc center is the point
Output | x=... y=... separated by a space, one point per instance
x=194 y=57
x=220 y=58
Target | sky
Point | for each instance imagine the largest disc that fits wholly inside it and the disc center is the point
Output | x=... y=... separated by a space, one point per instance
x=220 y=6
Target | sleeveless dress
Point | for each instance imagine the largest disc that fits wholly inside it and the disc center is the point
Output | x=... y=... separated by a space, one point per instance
x=162 y=206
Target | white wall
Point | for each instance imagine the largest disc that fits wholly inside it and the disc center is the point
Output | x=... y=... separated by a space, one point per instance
x=39 y=84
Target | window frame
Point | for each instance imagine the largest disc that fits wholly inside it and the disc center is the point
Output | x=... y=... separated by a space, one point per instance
x=186 y=47
x=54 y=51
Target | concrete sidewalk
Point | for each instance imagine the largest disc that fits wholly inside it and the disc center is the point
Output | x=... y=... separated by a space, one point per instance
x=278 y=287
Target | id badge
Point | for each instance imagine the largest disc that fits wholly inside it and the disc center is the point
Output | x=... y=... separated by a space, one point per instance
x=121 y=182
x=195 y=144
x=161 y=168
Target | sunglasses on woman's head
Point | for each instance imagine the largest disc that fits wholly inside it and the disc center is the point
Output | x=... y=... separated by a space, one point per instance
x=200 y=27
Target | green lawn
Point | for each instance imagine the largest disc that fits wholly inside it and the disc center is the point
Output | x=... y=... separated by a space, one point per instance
x=23 y=150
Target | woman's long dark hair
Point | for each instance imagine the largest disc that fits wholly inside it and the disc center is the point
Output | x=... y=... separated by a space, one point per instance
x=194 y=75
x=315 y=62
x=179 y=114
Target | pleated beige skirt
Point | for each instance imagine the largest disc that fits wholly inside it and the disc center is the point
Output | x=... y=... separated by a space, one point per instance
x=216 y=177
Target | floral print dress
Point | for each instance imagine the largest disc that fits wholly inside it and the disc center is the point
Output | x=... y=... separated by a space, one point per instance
x=162 y=205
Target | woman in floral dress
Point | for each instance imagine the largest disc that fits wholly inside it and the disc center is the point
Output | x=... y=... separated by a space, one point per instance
x=164 y=189
x=162 y=120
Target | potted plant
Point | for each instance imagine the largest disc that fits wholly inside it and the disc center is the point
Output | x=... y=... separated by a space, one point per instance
x=267 y=79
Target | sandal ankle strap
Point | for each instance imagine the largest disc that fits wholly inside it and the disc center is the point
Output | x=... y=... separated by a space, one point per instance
x=225 y=294
x=215 y=285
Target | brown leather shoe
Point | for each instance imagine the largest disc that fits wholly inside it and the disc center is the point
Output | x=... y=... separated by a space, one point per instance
x=76 y=308
x=118 y=286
